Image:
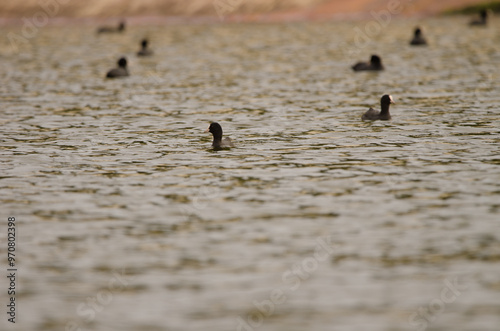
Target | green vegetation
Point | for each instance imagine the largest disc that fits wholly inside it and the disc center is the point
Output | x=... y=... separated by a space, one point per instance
x=490 y=5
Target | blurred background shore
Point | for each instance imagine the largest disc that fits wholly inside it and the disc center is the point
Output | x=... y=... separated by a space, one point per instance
x=231 y=10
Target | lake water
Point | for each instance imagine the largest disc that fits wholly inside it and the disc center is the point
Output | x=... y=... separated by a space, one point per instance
x=126 y=220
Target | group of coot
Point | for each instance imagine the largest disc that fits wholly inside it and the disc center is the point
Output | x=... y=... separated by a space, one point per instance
x=375 y=64
x=121 y=70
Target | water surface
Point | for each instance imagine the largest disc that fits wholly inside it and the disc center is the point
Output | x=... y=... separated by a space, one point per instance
x=114 y=182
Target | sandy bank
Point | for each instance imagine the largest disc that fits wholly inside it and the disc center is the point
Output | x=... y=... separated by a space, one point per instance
x=228 y=9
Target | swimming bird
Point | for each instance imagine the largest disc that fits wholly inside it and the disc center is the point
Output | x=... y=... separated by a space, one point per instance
x=374 y=64
x=218 y=143
x=108 y=29
x=372 y=114
x=418 y=38
x=145 y=51
x=483 y=19
x=121 y=71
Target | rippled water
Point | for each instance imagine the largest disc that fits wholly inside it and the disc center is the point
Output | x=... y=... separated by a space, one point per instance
x=320 y=220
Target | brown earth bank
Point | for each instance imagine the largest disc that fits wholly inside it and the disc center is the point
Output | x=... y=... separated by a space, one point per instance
x=244 y=10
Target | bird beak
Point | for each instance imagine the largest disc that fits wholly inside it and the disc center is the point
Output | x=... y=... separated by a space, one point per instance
x=208 y=129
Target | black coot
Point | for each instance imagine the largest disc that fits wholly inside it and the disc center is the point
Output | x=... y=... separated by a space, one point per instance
x=372 y=114
x=121 y=71
x=145 y=50
x=218 y=142
x=374 y=64
x=108 y=29
x=418 y=38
